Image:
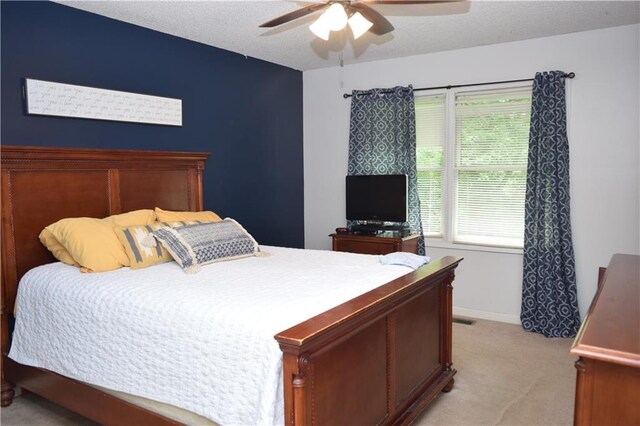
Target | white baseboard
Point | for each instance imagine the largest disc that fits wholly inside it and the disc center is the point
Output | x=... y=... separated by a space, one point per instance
x=492 y=316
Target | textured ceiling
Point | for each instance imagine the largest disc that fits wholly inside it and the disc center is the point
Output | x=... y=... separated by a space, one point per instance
x=233 y=25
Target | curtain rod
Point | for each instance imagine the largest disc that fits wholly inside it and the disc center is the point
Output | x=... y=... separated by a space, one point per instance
x=451 y=86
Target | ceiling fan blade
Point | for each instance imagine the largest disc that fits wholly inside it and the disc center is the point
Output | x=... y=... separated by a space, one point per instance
x=299 y=13
x=380 y=24
x=408 y=1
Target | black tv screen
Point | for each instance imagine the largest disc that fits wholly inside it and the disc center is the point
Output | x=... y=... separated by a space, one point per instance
x=377 y=198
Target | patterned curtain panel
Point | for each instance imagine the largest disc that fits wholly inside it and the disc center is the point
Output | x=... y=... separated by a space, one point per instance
x=549 y=296
x=382 y=141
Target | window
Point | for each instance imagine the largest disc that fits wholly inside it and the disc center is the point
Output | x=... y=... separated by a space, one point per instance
x=430 y=143
x=472 y=165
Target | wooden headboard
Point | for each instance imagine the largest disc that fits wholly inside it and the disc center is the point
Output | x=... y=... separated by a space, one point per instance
x=42 y=185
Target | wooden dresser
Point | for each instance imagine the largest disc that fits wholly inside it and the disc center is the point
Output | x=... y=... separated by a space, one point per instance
x=608 y=344
x=367 y=244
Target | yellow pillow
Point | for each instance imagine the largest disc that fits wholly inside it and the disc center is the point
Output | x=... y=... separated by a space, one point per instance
x=91 y=242
x=169 y=216
x=57 y=249
x=138 y=244
x=136 y=217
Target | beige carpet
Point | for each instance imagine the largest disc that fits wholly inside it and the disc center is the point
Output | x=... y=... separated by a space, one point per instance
x=505 y=377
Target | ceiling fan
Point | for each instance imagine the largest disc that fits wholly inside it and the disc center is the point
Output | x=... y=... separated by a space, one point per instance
x=360 y=17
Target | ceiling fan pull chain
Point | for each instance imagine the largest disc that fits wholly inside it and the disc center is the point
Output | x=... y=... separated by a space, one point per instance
x=342 y=52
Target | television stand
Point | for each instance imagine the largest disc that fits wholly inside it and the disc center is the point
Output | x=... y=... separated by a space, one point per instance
x=373 y=244
x=398 y=231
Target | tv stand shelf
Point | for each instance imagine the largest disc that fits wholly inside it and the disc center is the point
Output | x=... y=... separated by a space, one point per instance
x=368 y=244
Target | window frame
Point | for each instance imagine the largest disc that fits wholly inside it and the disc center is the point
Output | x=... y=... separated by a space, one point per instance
x=449 y=178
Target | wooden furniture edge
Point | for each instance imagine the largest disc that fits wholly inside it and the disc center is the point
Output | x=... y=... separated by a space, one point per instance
x=587 y=317
x=583 y=392
x=608 y=379
x=599 y=353
x=45 y=153
x=373 y=244
x=443 y=384
x=81 y=398
x=369 y=237
x=602 y=273
x=389 y=294
x=319 y=335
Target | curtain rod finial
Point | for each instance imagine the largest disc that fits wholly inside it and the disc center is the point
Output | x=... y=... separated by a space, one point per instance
x=570 y=75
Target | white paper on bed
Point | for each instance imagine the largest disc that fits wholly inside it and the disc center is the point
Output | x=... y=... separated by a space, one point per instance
x=200 y=342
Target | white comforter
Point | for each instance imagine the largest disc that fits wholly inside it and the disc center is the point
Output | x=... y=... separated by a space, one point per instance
x=201 y=342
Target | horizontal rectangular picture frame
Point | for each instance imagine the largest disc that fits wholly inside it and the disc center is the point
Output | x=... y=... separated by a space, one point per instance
x=69 y=100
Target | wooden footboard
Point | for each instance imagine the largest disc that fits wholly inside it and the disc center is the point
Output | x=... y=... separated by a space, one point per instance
x=380 y=358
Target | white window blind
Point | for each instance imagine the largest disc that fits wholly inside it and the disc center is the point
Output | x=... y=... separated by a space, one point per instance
x=491 y=145
x=430 y=149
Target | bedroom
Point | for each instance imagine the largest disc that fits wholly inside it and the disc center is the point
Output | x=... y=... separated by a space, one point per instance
x=299 y=122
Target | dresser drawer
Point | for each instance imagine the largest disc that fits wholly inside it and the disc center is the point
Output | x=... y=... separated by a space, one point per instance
x=372 y=244
x=366 y=247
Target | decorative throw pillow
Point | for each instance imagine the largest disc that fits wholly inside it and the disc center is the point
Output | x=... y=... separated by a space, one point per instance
x=53 y=245
x=59 y=251
x=136 y=217
x=170 y=216
x=195 y=245
x=140 y=245
x=91 y=242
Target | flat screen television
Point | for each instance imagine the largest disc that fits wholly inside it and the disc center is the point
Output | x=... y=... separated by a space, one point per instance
x=377 y=198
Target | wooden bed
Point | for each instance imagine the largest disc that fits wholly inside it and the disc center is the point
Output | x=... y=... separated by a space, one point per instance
x=380 y=358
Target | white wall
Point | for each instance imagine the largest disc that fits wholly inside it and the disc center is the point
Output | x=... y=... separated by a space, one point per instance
x=604 y=148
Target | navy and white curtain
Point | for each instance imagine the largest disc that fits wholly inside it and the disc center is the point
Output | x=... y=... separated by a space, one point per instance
x=549 y=295
x=382 y=141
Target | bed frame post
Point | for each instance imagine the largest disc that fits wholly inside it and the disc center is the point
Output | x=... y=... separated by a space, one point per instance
x=7 y=393
x=289 y=365
x=299 y=394
x=447 y=344
x=6 y=388
x=8 y=283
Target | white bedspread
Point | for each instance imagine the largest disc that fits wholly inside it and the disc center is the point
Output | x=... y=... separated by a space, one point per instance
x=201 y=342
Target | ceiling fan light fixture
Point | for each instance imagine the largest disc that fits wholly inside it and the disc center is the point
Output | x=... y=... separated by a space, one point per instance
x=321 y=27
x=336 y=17
x=359 y=24
x=357 y=13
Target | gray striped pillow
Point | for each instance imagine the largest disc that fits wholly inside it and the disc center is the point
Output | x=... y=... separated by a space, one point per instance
x=192 y=246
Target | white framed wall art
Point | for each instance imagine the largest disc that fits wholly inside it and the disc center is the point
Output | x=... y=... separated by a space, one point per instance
x=68 y=100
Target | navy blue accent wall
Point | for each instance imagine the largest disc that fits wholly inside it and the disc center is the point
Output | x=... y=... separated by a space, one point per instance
x=246 y=112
